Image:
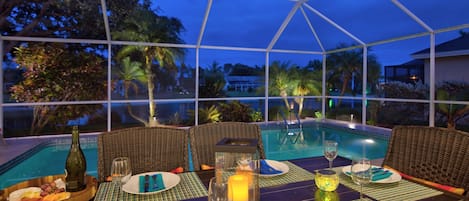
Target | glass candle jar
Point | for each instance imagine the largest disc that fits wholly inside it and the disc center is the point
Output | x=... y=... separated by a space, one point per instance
x=237 y=164
x=326 y=180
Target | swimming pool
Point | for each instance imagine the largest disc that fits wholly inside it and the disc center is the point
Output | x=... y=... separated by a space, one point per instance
x=49 y=158
x=352 y=142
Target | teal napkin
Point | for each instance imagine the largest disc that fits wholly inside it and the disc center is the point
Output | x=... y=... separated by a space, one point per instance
x=152 y=180
x=378 y=174
x=382 y=174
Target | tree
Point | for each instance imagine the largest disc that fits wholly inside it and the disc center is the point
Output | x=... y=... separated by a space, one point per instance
x=280 y=83
x=306 y=83
x=63 y=19
x=54 y=72
x=346 y=66
x=144 y=25
x=131 y=75
x=212 y=82
x=454 y=91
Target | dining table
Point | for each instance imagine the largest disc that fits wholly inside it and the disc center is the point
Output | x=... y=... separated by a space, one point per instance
x=297 y=184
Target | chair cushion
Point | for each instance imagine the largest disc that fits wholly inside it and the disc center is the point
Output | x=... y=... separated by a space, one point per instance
x=456 y=190
x=177 y=170
x=206 y=167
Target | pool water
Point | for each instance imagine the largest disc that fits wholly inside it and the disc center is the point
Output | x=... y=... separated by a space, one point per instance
x=278 y=145
x=281 y=146
x=49 y=160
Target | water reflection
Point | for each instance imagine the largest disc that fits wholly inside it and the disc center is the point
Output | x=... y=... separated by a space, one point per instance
x=321 y=195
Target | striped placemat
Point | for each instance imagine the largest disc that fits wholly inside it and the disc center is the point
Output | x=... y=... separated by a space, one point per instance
x=294 y=174
x=402 y=190
x=190 y=186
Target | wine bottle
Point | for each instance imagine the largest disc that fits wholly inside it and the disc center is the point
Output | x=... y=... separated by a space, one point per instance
x=75 y=165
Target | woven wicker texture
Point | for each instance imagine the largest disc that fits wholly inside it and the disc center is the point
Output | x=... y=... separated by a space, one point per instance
x=149 y=149
x=436 y=154
x=204 y=137
x=402 y=190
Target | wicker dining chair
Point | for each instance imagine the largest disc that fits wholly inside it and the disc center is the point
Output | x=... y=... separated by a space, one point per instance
x=204 y=137
x=435 y=154
x=149 y=149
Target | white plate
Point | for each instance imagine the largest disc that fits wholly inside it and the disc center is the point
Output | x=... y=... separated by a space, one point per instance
x=18 y=194
x=280 y=166
x=395 y=177
x=170 y=180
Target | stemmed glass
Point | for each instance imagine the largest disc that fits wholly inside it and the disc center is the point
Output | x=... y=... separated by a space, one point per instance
x=361 y=173
x=217 y=190
x=330 y=151
x=121 y=170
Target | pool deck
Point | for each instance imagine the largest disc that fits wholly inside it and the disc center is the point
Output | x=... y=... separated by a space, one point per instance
x=12 y=148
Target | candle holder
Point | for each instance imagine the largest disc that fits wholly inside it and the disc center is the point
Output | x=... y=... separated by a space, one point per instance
x=237 y=163
x=326 y=180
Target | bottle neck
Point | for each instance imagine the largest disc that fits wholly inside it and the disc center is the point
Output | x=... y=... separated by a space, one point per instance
x=75 y=136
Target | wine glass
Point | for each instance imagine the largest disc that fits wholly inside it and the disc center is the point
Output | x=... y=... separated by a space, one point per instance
x=361 y=173
x=330 y=151
x=217 y=190
x=121 y=170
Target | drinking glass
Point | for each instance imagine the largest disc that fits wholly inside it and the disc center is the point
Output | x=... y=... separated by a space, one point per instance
x=121 y=170
x=361 y=173
x=330 y=151
x=217 y=190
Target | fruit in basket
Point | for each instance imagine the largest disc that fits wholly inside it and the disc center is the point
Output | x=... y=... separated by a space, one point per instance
x=56 y=196
x=30 y=193
x=31 y=199
x=50 y=188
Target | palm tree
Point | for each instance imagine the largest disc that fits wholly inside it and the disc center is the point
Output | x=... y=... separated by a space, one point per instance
x=307 y=82
x=346 y=66
x=343 y=66
x=453 y=91
x=213 y=81
x=280 y=83
x=145 y=26
x=131 y=74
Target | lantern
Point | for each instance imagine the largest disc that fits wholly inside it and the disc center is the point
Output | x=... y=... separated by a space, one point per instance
x=237 y=164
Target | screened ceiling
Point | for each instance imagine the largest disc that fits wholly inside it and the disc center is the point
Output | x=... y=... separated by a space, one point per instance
x=312 y=26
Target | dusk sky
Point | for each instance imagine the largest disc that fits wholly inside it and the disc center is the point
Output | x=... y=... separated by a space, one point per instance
x=254 y=23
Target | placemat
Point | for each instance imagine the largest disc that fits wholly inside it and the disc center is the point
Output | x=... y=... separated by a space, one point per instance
x=295 y=174
x=402 y=190
x=189 y=187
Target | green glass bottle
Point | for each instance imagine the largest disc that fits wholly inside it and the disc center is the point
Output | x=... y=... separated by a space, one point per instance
x=75 y=165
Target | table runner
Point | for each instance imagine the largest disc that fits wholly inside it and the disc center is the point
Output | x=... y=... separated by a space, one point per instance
x=402 y=190
x=295 y=174
x=190 y=186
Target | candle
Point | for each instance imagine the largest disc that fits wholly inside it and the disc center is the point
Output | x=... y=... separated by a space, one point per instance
x=326 y=180
x=238 y=188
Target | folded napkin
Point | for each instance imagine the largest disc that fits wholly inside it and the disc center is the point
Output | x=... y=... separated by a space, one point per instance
x=378 y=173
x=150 y=183
x=267 y=169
